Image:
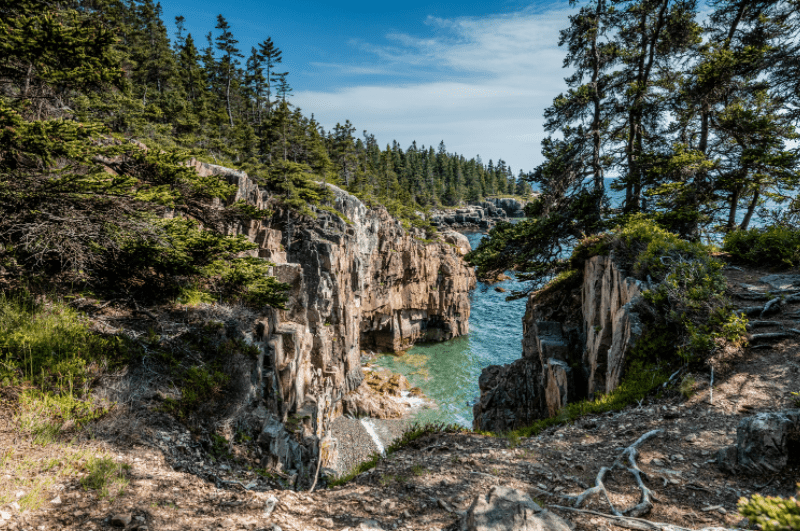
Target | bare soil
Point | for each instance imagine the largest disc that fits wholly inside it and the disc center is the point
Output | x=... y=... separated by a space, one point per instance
x=427 y=485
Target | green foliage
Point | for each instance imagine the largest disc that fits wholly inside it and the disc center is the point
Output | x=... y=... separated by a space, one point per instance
x=772 y=513
x=688 y=386
x=49 y=345
x=775 y=245
x=106 y=476
x=688 y=299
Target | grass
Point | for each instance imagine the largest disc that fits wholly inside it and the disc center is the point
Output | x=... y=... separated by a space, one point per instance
x=105 y=476
x=49 y=345
x=688 y=386
x=640 y=381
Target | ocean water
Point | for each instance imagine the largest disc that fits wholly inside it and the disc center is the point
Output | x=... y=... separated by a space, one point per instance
x=448 y=372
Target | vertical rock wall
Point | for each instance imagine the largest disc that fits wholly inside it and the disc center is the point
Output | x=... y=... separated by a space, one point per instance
x=358 y=281
x=573 y=346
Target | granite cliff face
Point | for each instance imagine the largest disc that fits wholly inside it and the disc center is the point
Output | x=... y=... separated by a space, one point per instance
x=573 y=346
x=358 y=280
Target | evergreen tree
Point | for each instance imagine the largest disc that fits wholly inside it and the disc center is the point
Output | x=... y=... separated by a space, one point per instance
x=229 y=61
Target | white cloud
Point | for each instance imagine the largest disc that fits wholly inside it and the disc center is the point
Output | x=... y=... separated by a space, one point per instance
x=494 y=76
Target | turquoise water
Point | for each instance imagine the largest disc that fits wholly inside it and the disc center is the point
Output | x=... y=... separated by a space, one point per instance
x=448 y=372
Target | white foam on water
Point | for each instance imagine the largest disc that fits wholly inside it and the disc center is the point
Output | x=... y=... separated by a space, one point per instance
x=411 y=400
x=367 y=423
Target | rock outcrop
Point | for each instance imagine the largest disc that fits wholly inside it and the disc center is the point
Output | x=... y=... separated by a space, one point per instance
x=507 y=509
x=357 y=280
x=566 y=356
x=764 y=444
x=479 y=216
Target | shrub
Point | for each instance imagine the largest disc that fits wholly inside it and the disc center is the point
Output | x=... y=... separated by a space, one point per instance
x=772 y=513
x=776 y=245
x=687 y=298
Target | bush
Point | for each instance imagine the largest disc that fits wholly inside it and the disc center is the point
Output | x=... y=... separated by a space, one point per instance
x=777 y=246
x=687 y=298
x=772 y=513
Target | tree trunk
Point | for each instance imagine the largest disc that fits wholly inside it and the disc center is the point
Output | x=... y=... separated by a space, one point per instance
x=750 y=209
x=228 y=98
x=734 y=207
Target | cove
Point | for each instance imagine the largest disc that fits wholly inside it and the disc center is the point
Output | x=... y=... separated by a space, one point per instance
x=448 y=372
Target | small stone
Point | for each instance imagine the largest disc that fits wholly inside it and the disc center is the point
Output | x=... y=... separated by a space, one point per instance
x=226 y=523
x=121 y=520
x=657 y=462
x=4 y=515
x=674 y=481
x=325 y=522
x=711 y=508
x=269 y=506
x=56 y=500
x=722 y=510
x=692 y=437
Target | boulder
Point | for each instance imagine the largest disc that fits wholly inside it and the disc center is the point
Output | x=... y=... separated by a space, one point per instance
x=507 y=509
x=457 y=240
x=764 y=444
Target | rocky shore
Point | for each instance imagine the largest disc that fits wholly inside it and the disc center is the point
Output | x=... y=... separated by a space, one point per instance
x=479 y=216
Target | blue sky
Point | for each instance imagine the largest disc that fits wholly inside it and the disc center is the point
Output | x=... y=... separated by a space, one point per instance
x=477 y=75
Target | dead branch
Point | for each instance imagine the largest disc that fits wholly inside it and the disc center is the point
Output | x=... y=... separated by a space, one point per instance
x=630 y=453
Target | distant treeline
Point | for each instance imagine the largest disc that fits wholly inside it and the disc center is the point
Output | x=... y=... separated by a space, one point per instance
x=233 y=106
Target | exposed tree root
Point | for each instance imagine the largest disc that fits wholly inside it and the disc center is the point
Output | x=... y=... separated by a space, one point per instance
x=636 y=523
x=769 y=336
x=761 y=324
x=630 y=453
x=769 y=305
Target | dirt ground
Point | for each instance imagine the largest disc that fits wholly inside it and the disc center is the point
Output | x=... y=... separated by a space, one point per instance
x=428 y=485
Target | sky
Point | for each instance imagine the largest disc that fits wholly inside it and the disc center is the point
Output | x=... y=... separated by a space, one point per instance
x=477 y=75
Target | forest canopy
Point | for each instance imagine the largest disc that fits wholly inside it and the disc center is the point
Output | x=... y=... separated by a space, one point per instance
x=102 y=102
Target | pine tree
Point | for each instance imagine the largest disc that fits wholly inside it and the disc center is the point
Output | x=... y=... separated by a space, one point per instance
x=229 y=62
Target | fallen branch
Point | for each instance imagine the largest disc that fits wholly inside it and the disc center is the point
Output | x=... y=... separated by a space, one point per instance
x=629 y=522
x=630 y=453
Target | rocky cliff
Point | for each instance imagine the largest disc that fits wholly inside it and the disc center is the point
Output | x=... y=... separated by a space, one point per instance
x=574 y=345
x=481 y=215
x=359 y=280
